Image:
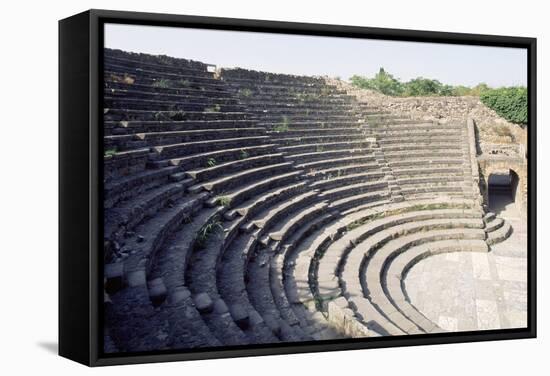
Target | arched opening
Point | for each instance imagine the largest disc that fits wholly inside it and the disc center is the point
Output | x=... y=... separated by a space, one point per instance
x=503 y=193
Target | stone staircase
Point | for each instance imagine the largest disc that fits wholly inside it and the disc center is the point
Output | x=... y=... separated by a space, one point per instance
x=245 y=207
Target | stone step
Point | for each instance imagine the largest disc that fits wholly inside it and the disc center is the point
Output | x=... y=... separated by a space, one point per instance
x=283 y=230
x=430 y=171
x=301 y=118
x=337 y=150
x=500 y=234
x=344 y=169
x=195 y=97
x=164 y=81
x=197 y=147
x=327 y=182
x=186 y=78
x=340 y=162
x=124 y=217
x=120 y=114
x=305 y=132
x=206 y=173
x=414 y=189
x=131 y=141
x=150 y=235
x=230 y=181
x=436 y=180
x=402 y=132
x=246 y=192
x=154 y=62
x=134 y=127
x=353 y=189
x=427 y=162
x=125 y=188
x=252 y=206
x=119 y=164
x=272 y=214
x=494 y=224
x=395 y=274
x=451 y=148
x=172 y=259
x=306 y=125
x=433 y=154
x=372 y=270
x=230 y=275
x=165 y=105
x=362 y=298
x=289 y=99
x=406 y=139
x=216 y=92
x=360 y=200
x=311 y=152
x=301 y=142
x=195 y=161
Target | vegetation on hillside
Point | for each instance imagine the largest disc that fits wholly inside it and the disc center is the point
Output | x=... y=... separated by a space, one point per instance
x=510 y=102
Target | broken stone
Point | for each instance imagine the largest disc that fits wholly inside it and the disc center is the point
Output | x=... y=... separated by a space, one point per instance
x=180 y=294
x=273 y=324
x=136 y=278
x=114 y=277
x=140 y=238
x=220 y=307
x=240 y=316
x=157 y=291
x=204 y=303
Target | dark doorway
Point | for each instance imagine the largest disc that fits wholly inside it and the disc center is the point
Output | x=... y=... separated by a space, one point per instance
x=502 y=189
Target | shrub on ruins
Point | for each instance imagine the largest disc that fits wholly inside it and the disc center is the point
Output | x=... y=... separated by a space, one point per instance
x=383 y=82
x=508 y=102
x=422 y=87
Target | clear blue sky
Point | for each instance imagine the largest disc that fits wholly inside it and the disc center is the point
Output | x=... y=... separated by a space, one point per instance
x=313 y=55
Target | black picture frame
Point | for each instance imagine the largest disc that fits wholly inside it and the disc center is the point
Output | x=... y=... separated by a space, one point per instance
x=80 y=192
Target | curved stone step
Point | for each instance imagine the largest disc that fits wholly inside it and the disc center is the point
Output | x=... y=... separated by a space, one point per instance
x=395 y=273
x=235 y=165
x=245 y=192
x=224 y=155
x=372 y=270
x=500 y=234
x=230 y=181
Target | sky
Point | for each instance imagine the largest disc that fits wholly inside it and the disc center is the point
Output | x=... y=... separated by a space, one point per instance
x=330 y=56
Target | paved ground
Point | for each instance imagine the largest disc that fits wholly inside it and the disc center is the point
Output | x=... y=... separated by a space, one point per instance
x=473 y=291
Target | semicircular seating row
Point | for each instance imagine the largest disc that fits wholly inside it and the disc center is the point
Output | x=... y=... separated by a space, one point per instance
x=246 y=207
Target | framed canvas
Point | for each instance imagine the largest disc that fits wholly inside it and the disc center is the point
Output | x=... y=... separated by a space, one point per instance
x=234 y=187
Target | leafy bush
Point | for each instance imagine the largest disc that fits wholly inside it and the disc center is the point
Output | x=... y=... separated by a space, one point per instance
x=510 y=103
x=382 y=82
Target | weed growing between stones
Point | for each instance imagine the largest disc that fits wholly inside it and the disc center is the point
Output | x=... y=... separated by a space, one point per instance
x=215 y=108
x=244 y=154
x=211 y=162
x=283 y=126
x=162 y=83
x=224 y=201
x=245 y=92
x=110 y=152
x=207 y=231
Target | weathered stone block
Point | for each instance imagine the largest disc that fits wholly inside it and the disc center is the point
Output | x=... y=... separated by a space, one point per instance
x=157 y=291
x=114 y=277
x=204 y=303
x=240 y=316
